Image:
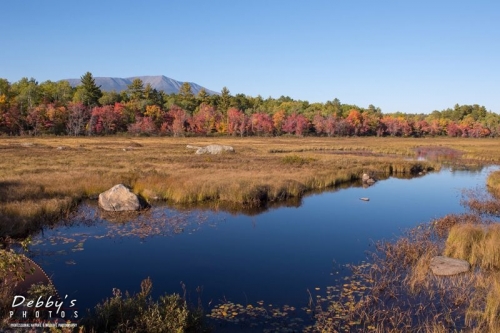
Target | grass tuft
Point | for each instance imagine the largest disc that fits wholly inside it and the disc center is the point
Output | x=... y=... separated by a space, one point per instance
x=478 y=244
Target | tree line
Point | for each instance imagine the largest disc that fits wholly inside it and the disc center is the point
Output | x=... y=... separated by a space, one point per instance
x=56 y=108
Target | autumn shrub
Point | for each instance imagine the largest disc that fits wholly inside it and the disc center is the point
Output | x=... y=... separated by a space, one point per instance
x=12 y=271
x=140 y=313
x=443 y=225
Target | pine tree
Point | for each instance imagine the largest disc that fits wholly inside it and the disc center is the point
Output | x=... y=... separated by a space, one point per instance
x=136 y=90
x=89 y=91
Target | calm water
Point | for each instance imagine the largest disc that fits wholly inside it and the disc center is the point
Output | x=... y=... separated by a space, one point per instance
x=274 y=256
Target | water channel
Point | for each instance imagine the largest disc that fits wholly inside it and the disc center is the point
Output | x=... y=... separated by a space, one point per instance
x=274 y=256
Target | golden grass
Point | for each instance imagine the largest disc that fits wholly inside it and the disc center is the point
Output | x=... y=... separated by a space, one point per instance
x=43 y=178
x=493 y=183
x=484 y=310
x=478 y=244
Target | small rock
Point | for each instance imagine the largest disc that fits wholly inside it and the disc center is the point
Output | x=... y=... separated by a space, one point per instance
x=441 y=265
x=119 y=198
x=367 y=179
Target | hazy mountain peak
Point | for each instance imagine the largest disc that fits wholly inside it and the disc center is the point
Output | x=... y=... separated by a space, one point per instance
x=158 y=82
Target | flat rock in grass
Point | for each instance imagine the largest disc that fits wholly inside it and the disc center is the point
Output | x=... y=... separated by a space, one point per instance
x=211 y=149
x=441 y=265
x=118 y=199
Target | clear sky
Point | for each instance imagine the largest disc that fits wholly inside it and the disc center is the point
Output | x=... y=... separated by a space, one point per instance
x=409 y=56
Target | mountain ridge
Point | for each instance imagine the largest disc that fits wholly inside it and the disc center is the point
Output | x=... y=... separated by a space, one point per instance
x=158 y=82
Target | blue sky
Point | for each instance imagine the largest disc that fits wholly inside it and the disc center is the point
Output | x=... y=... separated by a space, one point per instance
x=409 y=56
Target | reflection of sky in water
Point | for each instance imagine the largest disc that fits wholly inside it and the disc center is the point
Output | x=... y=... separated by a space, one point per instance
x=275 y=256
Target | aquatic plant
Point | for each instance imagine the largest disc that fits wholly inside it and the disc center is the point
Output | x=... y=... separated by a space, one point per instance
x=140 y=313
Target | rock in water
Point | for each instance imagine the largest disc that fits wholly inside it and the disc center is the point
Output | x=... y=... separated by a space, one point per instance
x=441 y=265
x=119 y=198
x=367 y=179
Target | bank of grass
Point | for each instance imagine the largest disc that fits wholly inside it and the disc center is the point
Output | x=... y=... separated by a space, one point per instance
x=493 y=183
x=42 y=179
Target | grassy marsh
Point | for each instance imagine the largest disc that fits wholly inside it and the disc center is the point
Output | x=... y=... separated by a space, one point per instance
x=42 y=179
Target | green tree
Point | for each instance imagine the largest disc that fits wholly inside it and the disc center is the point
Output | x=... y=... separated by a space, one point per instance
x=88 y=92
x=203 y=97
x=186 y=99
x=59 y=92
x=110 y=98
x=5 y=91
x=27 y=94
x=224 y=101
x=152 y=96
x=136 y=90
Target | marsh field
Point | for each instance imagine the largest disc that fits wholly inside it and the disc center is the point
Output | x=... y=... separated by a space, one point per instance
x=43 y=178
x=46 y=180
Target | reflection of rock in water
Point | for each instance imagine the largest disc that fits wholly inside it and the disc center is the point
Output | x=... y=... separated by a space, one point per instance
x=146 y=223
x=119 y=217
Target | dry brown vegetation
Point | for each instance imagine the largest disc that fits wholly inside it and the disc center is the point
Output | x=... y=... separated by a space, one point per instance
x=493 y=183
x=42 y=179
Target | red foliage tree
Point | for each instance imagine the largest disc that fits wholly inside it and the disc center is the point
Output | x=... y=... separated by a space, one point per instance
x=319 y=123
x=453 y=129
x=261 y=124
x=177 y=119
x=143 y=125
x=237 y=122
x=295 y=124
x=205 y=120
x=108 y=119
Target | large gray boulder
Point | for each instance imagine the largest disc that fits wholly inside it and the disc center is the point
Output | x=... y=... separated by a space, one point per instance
x=211 y=149
x=441 y=265
x=118 y=199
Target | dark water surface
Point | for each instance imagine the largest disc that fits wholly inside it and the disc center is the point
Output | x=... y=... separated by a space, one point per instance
x=274 y=256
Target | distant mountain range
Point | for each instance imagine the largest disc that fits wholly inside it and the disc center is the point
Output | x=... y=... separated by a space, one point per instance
x=160 y=83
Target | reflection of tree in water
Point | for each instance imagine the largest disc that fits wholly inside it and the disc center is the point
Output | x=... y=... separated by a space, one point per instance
x=448 y=156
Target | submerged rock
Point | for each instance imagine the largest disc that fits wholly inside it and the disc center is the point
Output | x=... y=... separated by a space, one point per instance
x=118 y=199
x=441 y=265
x=211 y=149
